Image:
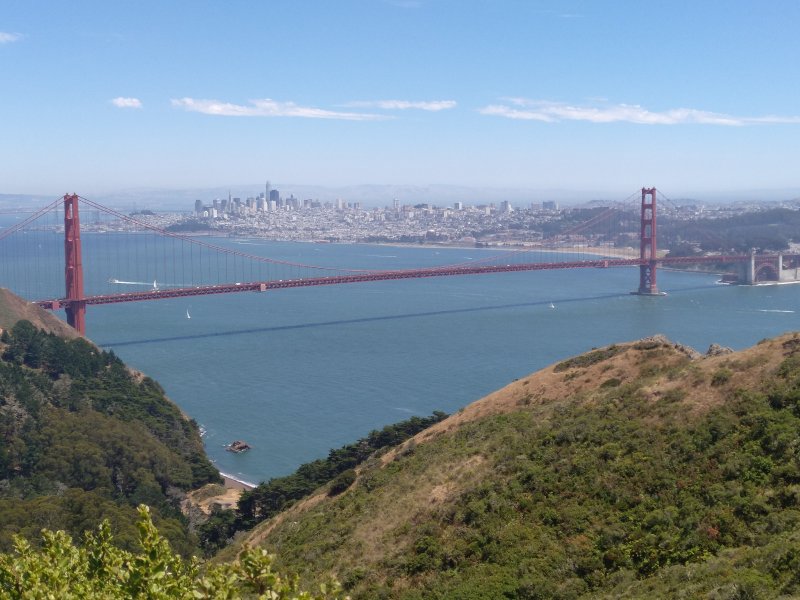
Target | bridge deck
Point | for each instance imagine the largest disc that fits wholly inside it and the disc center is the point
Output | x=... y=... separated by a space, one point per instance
x=261 y=286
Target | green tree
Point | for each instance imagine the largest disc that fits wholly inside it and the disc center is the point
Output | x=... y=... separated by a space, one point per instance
x=100 y=570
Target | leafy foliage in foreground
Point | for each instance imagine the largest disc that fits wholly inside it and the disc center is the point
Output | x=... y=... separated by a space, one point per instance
x=84 y=438
x=100 y=570
x=622 y=496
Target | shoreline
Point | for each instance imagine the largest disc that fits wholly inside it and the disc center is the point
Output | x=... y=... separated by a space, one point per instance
x=235 y=483
x=592 y=250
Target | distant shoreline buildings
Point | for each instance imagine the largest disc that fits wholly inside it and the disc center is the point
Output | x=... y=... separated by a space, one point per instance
x=274 y=216
x=271 y=201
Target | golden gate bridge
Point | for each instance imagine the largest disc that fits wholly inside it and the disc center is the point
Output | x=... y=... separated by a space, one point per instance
x=177 y=266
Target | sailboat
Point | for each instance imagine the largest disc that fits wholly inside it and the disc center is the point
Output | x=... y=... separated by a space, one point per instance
x=188 y=316
x=552 y=305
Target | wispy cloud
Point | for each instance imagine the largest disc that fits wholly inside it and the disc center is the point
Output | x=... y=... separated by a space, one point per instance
x=433 y=105
x=560 y=14
x=554 y=112
x=8 y=37
x=268 y=108
x=126 y=102
x=404 y=3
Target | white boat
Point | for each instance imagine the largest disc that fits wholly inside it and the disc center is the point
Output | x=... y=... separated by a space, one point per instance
x=188 y=316
x=552 y=305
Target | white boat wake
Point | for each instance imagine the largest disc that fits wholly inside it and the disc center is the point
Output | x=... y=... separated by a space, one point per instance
x=152 y=284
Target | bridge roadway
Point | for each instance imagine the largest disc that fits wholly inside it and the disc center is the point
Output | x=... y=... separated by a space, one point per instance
x=445 y=271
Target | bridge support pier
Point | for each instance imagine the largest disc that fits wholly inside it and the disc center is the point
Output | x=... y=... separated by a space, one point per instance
x=75 y=305
x=750 y=270
x=647 y=246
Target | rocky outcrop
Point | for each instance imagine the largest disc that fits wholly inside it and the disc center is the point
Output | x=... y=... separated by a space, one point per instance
x=717 y=350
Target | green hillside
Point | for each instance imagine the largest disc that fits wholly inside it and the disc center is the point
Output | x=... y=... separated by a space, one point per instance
x=85 y=438
x=637 y=470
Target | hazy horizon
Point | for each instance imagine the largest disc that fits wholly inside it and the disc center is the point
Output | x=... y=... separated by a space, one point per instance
x=379 y=195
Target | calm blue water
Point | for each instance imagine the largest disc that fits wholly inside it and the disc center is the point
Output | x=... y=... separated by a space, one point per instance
x=298 y=372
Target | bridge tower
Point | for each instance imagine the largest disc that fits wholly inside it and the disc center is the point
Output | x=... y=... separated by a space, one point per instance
x=647 y=245
x=73 y=271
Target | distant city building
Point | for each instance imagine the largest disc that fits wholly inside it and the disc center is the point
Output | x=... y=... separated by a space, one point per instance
x=458 y=206
x=549 y=205
x=505 y=207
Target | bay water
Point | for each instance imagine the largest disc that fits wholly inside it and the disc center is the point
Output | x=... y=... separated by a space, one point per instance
x=297 y=372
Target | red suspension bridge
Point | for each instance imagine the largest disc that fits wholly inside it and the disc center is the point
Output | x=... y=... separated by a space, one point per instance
x=194 y=266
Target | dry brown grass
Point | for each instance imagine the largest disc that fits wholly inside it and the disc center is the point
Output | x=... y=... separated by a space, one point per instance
x=206 y=497
x=13 y=308
x=655 y=367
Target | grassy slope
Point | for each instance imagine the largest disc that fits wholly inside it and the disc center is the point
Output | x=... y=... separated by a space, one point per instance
x=13 y=308
x=629 y=472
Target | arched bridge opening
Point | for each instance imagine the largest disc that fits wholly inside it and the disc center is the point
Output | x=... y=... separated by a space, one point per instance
x=766 y=272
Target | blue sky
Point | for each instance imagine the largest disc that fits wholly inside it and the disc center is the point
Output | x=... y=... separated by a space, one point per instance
x=693 y=97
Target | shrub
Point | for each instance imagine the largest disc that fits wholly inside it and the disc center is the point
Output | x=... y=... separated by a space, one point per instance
x=721 y=377
x=342 y=481
x=589 y=359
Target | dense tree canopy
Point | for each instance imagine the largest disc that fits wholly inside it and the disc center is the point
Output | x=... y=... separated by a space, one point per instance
x=86 y=438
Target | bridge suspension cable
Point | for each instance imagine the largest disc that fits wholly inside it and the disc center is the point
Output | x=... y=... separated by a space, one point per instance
x=151 y=262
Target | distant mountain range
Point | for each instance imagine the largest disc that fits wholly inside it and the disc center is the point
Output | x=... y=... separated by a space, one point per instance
x=377 y=195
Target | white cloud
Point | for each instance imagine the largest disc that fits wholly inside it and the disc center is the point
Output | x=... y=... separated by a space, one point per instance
x=553 y=112
x=267 y=108
x=127 y=102
x=434 y=105
x=404 y=3
x=7 y=37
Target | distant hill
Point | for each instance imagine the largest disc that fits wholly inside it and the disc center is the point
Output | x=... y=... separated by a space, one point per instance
x=639 y=470
x=85 y=438
x=380 y=195
x=13 y=308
